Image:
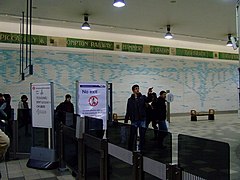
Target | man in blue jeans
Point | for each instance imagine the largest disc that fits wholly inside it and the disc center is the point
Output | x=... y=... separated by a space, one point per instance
x=136 y=113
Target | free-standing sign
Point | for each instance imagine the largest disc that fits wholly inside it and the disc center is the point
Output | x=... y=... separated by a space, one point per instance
x=92 y=100
x=169 y=97
x=42 y=104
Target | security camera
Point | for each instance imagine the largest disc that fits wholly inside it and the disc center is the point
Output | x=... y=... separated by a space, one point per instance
x=234 y=42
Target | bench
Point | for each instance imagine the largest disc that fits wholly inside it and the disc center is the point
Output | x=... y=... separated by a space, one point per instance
x=210 y=114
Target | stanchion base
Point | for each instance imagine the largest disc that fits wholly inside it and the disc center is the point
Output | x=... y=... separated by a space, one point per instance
x=45 y=165
x=42 y=158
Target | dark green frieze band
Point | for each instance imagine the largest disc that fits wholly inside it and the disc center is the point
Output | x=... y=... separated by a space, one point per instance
x=159 y=50
x=194 y=53
x=10 y=38
x=132 y=47
x=90 y=44
x=39 y=40
x=228 y=56
x=16 y=38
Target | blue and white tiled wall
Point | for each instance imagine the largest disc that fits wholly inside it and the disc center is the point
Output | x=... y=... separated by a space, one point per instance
x=196 y=83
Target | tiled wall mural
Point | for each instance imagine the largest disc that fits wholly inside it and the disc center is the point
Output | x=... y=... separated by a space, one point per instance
x=196 y=83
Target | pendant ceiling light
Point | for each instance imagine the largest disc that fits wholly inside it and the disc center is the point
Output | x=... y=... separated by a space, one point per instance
x=229 y=43
x=119 y=3
x=168 y=34
x=85 y=25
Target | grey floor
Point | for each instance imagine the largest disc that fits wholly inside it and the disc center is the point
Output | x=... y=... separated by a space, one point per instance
x=224 y=128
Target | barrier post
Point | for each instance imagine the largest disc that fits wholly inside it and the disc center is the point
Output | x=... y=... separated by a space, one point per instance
x=237 y=45
x=104 y=160
x=81 y=175
x=211 y=113
x=137 y=166
x=168 y=108
x=173 y=172
x=62 y=166
x=14 y=136
x=193 y=115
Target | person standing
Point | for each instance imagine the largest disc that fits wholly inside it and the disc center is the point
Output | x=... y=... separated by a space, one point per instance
x=8 y=111
x=151 y=111
x=67 y=105
x=61 y=109
x=161 y=115
x=136 y=113
x=23 y=114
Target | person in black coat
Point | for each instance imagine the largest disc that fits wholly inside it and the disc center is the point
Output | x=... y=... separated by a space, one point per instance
x=151 y=111
x=66 y=106
x=60 y=118
x=24 y=118
x=161 y=115
x=136 y=113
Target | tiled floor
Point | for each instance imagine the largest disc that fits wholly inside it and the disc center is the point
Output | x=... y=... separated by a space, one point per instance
x=17 y=170
x=225 y=128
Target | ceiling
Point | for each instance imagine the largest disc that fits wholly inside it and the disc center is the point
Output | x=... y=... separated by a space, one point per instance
x=204 y=21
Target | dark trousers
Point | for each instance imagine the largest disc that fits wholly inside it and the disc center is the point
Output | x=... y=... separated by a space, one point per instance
x=133 y=135
x=163 y=131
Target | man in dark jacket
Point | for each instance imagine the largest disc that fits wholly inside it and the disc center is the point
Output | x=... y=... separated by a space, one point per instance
x=136 y=113
x=151 y=111
x=161 y=111
x=66 y=106
x=63 y=107
x=161 y=114
x=61 y=110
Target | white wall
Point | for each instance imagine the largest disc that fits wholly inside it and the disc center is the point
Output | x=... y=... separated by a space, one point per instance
x=197 y=83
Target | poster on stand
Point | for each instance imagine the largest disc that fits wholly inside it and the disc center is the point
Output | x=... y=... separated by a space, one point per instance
x=92 y=100
x=42 y=104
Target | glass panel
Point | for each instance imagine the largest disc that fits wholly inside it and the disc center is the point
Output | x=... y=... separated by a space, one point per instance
x=40 y=137
x=149 y=177
x=119 y=134
x=70 y=149
x=158 y=145
x=68 y=119
x=119 y=170
x=204 y=158
x=24 y=135
x=94 y=127
x=92 y=164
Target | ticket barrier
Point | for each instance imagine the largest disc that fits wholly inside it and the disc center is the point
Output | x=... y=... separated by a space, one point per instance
x=107 y=159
